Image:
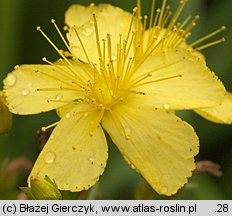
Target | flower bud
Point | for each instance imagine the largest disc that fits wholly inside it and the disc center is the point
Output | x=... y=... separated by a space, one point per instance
x=44 y=189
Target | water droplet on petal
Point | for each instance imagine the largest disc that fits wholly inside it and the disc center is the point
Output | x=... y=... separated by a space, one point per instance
x=215 y=112
x=50 y=157
x=68 y=115
x=114 y=58
x=85 y=114
x=11 y=79
x=88 y=31
x=163 y=190
x=29 y=85
x=127 y=133
x=59 y=96
x=75 y=47
x=166 y=106
x=25 y=92
x=91 y=159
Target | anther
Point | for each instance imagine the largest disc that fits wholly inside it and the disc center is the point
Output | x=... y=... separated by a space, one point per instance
x=43 y=129
x=65 y=28
x=16 y=67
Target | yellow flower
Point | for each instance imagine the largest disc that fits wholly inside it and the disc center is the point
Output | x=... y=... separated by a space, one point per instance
x=44 y=189
x=124 y=79
x=219 y=114
x=5 y=116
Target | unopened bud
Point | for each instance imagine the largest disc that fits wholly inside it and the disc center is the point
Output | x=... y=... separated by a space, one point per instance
x=44 y=189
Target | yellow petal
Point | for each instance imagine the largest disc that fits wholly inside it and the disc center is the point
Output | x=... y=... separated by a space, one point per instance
x=71 y=157
x=31 y=89
x=159 y=145
x=5 y=116
x=77 y=15
x=62 y=111
x=82 y=18
x=176 y=79
x=219 y=114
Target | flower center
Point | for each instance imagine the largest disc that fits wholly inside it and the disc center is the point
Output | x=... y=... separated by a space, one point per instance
x=103 y=93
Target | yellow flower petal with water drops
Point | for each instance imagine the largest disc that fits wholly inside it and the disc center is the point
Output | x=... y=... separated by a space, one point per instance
x=175 y=79
x=115 y=78
x=31 y=89
x=5 y=116
x=82 y=26
x=219 y=114
x=159 y=145
x=73 y=157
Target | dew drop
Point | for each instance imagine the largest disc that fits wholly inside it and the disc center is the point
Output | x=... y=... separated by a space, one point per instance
x=85 y=114
x=76 y=48
x=58 y=96
x=29 y=85
x=91 y=159
x=25 y=92
x=166 y=106
x=163 y=190
x=127 y=133
x=88 y=31
x=114 y=58
x=68 y=115
x=50 y=157
x=11 y=79
x=215 y=112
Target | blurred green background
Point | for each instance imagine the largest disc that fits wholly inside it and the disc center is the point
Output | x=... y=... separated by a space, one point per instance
x=20 y=43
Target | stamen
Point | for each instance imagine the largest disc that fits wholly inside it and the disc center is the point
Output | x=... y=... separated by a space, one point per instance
x=102 y=64
x=53 y=45
x=50 y=126
x=70 y=66
x=132 y=91
x=111 y=65
x=149 y=73
x=104 y=50
x=157 y=80
x=176 y=14
x=59 y=89
x=191 y=25
x=61 y=35
x=119 y=125
x=223 y=28
x=211 y=44
x=62 y=72
x=98 y=41
x=82 y=45
x=131 y=23
x=158 y=11
x=162 y=12
x=145 y=23
x=166 y=16
x=97 y=122
x=152 y=14
x=184 y=23
x=65 y=101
